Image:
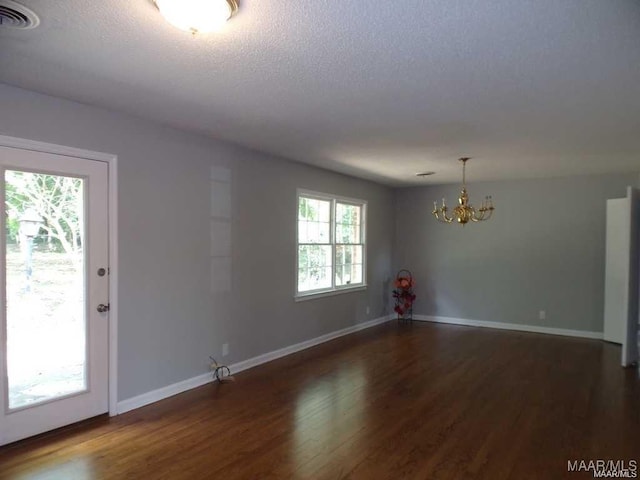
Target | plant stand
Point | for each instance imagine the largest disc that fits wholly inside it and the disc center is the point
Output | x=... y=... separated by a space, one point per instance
x=404 y=296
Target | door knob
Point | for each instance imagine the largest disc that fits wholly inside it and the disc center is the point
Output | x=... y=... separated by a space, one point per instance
x=102 y=308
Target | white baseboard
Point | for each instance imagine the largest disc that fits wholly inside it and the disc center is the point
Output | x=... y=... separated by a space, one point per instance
x=164 y=392
x=511 y=326
x=176 y=388
x=283 y=352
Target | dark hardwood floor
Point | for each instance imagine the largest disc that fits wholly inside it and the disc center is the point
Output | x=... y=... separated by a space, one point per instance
x=421 y=401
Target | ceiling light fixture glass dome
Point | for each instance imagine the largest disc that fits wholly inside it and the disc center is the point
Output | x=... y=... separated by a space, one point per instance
x=197 y=16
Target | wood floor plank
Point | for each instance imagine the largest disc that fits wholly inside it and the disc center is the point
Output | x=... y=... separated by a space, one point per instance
x=398 y=401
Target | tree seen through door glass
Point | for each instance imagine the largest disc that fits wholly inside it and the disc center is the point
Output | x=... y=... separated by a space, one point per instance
x=45 y=287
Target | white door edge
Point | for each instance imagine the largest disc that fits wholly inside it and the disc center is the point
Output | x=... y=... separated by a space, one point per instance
x=112 y=161
x=616 y=269
x=630 y=343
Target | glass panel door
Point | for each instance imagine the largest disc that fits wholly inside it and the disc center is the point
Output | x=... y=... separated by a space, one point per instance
x=54 y=284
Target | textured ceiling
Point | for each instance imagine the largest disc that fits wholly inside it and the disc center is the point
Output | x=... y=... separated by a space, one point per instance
x=380 y=90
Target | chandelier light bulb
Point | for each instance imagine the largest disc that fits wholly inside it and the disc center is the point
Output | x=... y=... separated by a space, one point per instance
x=197 y=16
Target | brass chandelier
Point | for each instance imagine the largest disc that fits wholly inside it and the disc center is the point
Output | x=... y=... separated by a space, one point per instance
x=464 y=212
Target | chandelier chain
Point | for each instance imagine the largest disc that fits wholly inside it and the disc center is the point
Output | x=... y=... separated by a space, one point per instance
x=464 y=172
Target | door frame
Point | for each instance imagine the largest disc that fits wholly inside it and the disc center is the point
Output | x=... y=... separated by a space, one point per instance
x=112 y=162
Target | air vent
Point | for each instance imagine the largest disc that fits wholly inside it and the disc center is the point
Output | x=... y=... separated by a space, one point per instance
x=14 y=15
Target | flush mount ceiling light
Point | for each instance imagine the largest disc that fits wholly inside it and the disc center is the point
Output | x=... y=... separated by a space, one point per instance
x=197 y=16
x=464 y=212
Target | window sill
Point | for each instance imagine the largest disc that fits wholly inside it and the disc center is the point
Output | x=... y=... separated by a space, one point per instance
x=301 y=297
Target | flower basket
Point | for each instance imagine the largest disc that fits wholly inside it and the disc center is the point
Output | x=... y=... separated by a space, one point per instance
x=403 y=295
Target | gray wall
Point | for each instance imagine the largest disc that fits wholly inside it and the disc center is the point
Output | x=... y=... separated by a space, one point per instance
x=542 y=250
x=169 y=319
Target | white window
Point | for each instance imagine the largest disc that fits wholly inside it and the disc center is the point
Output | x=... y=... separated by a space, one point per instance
x=331 y=244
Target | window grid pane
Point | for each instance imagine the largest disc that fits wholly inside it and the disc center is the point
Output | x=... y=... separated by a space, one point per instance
x=314 y=267
x=314 y=220
x=348 y=223
x=349 y=262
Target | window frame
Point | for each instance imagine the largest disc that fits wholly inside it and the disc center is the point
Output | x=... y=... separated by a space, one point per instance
x=334 y=200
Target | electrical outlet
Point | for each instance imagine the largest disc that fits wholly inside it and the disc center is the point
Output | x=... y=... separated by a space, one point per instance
x=368 y=310
x=225 y=349
x=542 y=315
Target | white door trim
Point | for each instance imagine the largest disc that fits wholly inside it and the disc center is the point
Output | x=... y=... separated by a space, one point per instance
x=112 y=161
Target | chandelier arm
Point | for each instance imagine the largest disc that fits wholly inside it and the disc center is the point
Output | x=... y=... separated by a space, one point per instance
x=486 y=214
x=477 y=215
x=441 y=215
